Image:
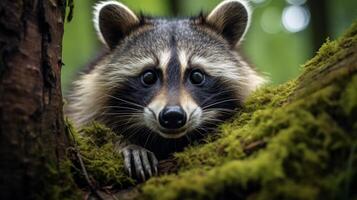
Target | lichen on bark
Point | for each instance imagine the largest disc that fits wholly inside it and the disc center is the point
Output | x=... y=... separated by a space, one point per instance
x=293 y=141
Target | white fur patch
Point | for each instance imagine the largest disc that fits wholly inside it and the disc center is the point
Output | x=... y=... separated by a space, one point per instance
x=183 y=58
x=164 y=59
x=87 y=100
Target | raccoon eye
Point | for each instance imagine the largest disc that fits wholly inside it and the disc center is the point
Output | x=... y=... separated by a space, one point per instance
x=197 y=77
x=149 y=78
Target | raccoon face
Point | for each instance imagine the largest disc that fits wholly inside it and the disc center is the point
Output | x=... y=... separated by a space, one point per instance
x=170 y=77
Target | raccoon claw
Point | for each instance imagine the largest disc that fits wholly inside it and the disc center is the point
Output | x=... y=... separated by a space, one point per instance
x=140 y=161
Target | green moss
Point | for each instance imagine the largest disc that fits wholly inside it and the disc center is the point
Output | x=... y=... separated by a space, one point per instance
x=64 y=186
x=293 y=141
x=95 y=144
x=349 y=99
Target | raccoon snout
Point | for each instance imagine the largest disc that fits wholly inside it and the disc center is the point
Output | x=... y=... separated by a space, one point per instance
x=172 y=117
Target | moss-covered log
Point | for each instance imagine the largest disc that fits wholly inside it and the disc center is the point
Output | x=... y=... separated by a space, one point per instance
x=293 y=141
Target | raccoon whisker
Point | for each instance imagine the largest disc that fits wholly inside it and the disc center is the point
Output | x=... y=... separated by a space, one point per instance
x=205 y=106
x=134 y=130
x=219 y=102
x=126 y=120
x=123 y=120
x=105 y=111
x=126 y=101
x=212 y=123
x=118 y=124
x=198 y=130
x=209 y=115
x=123 y=115
x=115 y=118
x=203 y=131
x=222 y=111
x=206 y=129
x=209 y=98
x=215 y=95
x=148 y=133
x=122 y=107
x=133 y=127
x=121 y=126
x=134 y=133
x=224 y=91
x=119 y=114
x=211 y=118
x=120 y=118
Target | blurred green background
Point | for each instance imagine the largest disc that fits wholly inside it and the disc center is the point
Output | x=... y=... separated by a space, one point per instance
x=283 y=34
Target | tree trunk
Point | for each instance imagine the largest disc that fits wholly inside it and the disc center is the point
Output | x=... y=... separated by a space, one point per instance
x=32 y=137
x=174 y=7
x=319 y=22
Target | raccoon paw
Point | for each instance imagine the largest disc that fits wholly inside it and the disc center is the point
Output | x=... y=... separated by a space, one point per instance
x=140 y=161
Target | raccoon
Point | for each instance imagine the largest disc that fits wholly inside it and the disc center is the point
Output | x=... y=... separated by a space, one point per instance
x=165 y=82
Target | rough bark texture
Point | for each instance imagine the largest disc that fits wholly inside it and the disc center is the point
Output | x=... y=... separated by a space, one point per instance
x=32 y=137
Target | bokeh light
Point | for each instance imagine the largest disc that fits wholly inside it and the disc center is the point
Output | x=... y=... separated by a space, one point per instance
x=295 y=18
x=296 y=2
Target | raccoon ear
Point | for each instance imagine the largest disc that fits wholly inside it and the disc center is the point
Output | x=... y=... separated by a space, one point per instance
x=231 y=18
x=113 y=21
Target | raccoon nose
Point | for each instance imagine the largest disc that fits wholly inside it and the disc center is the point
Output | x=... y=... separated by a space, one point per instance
x=172 y=117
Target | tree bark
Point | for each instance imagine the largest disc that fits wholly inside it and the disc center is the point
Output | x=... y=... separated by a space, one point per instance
x=32 y=137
